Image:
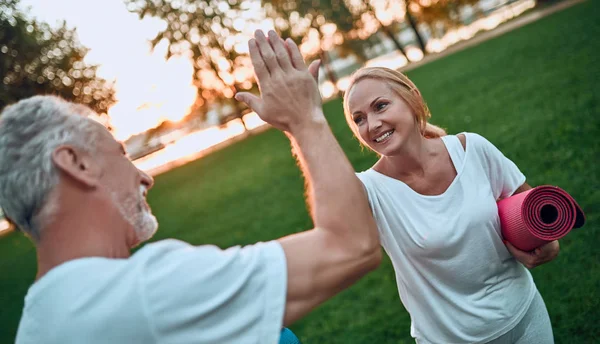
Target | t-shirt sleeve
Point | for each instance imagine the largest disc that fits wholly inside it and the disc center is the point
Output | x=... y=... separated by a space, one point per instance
x=368 y=188
x=202 y=294
x=504 y=176
x=374 y=204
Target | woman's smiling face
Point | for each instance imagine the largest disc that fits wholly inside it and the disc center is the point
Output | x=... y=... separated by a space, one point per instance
x=382 y=119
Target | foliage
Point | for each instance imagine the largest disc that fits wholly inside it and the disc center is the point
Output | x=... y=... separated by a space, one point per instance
x=38 y=59
x=208 y=32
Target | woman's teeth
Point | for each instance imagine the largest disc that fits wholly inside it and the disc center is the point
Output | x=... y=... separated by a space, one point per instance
x=384 y=136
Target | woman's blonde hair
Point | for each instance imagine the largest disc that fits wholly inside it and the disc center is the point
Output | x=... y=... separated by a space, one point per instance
x=403 y=87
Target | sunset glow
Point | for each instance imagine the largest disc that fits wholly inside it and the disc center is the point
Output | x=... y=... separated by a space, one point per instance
x=194 y=145
x=151 y=90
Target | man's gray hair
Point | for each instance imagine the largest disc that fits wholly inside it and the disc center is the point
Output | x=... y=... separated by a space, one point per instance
x=30 y=131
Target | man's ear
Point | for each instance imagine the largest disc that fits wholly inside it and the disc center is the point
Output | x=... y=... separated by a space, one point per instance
x=76 y=164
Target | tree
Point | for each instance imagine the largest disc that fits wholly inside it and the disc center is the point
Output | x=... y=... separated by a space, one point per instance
x=368 y=8
x=38 y=59
x=323 y=26
x=354 y=21
x=444 y=12
x=413 y=24
x=208 y=31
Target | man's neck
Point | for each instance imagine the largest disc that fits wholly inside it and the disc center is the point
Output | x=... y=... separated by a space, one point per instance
x=62 y=242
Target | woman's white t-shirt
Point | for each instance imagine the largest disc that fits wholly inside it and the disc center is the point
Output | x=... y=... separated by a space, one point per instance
x=454 y=274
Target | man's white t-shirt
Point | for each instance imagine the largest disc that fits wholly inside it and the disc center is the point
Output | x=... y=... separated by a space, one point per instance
x=455 y=276
x=167 y=292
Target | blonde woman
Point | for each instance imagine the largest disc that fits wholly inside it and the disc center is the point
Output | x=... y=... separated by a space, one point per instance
x=434 y=199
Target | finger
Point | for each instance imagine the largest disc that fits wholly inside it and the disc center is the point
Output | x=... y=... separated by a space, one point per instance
x=509 y=246
x=260 y=69
x=253 y=102
x=551 y=246
x=543 y=252
x=522 y=256
x=516 y=252
x=294 y=51
x=281 y=52
x=314 y=69
x=266 y=51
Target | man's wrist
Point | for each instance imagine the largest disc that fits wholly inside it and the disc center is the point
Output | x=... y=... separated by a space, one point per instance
x=314 y=123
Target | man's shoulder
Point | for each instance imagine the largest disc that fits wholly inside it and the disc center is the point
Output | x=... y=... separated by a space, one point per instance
x=172 y=253
x=173 y=249
x=168 y=246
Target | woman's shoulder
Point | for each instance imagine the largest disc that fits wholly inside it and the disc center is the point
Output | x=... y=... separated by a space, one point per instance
x=473 y=140
x=466 y=135
x=371 y=171
x=371 y=177
x=481 y=147
x=365 y=175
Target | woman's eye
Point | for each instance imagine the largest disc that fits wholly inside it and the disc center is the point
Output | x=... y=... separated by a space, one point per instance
x=380 y=106
x=357 y=120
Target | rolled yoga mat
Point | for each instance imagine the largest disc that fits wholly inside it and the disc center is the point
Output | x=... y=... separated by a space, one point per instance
x=537 y=216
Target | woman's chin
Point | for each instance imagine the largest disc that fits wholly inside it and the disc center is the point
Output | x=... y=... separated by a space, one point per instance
x=388 y=147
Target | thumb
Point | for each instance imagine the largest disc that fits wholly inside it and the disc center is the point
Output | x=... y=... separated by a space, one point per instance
x=313 y=69
x=249 y=99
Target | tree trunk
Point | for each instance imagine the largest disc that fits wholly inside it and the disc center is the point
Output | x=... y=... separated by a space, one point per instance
x=326 y=61
x=239 y=115
x=413 y=25
x=238 y=109
x=391 y=36
x=385 y=29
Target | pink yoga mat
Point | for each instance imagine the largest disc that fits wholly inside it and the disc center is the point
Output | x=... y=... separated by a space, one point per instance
x=535 y=217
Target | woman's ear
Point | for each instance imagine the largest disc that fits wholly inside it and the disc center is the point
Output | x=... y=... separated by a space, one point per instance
x=77 y=165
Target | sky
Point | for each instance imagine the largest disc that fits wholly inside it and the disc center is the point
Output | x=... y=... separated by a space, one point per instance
x=118 y=42
x=149 y=89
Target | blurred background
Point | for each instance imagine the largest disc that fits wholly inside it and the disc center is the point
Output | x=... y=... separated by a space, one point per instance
x=156 y=71
x=161 y=75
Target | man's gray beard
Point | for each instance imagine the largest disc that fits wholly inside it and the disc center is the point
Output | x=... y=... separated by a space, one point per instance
x=142 y=220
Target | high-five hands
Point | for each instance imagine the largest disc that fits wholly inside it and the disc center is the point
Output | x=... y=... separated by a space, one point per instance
x=290 y=96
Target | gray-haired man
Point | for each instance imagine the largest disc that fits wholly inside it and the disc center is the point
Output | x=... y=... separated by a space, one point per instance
x=68 y=184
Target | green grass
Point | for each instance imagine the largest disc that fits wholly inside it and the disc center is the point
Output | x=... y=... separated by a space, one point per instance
x=533 y=92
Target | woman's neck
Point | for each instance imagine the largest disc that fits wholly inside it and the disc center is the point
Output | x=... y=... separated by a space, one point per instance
x=411 y=161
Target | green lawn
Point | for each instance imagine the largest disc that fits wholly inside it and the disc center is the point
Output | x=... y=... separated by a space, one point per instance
x=533 y=92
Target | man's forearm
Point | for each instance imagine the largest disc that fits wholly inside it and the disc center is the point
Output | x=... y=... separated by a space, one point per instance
x=335 y=195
